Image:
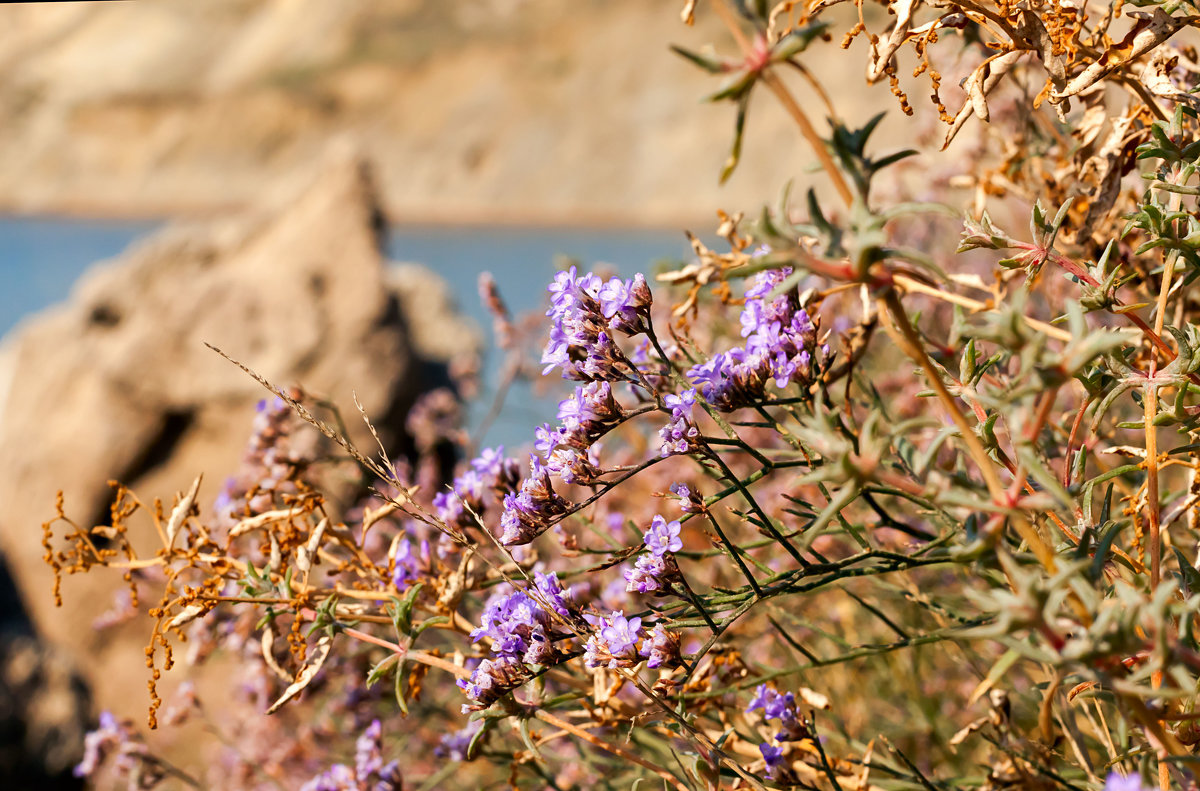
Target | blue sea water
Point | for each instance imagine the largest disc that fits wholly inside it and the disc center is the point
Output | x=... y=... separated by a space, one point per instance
x=41 y=258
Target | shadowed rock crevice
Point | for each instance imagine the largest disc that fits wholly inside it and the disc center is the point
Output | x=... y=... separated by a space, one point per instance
x=43 y=703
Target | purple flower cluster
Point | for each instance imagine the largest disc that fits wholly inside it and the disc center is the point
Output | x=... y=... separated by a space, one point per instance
x=775 y=706
x=112 y=737
x=661 y=648
x=614 y=642
x=654 y=571
x=519 y=625
x=781 y=344
x=689 y=501
x=454 y=745
x=534 y=508
x=491 y=680
x=369 y=772
x=679 y=436
x=489 y=470
x=410 y=565
x=267 y=465
x=584 y=416
x=586 y=312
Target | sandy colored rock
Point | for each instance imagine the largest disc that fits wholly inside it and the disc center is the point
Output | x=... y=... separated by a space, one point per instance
x=117 y=384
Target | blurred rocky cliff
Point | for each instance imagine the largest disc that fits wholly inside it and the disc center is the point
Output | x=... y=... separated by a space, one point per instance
x=117 y=384
x=476 y=110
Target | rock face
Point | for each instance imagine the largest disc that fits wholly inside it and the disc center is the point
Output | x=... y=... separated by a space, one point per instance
x=480 y=110
x=117 y=384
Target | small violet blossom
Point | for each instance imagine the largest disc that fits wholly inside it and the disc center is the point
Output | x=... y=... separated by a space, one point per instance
x=773 y=756
x=663 y=537
x=680 y=435
x=653 y=571
x=1117 y=782
x=775 y=706
x=614 y=643
x=369 y=772
x=661 y=649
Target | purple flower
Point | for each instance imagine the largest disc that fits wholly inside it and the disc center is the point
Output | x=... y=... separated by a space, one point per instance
x=1117 y=782
x=663 y=537
x=689 y=501
x=466 y=493
x=650 y=574
x=626 y=304
x=615 y=296
x=490 y=462
x=661 y=649
x=614 y=643
x=622 y=633
x=407 y=565
x=491 y=680
x=680 y=435
x=519 y=624
x=767 y=281
x=369 y=773
x=580 y=340
x=528 y=513
x=556 y=597
x=110 y=737
x=773 y=756
x=571 y=466
x=546 y=439
x=774 y=706
x=454 y=745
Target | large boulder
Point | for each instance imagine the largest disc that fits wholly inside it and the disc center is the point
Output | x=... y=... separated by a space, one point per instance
x=118 y=384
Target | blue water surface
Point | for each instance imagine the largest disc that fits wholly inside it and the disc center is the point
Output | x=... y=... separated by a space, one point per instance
x=41 y=258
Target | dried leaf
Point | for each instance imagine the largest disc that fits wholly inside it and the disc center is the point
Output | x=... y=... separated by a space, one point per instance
x=186 y=616
x=305 y=554
x=1087 y=129
x=1157 y=78
x=963 y=733
x=688 y=15
x=1075 y=690
x=182 y=510
x=991 y=71
x=1108 y=165
x=268 y=645
x=814 y=699
x=995 y=674
x=316 y=658
x=261 y=520
x=1148 y=33
x=1034 y=36
x=975 y=92
x=1126 y=450
x=877 y=67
